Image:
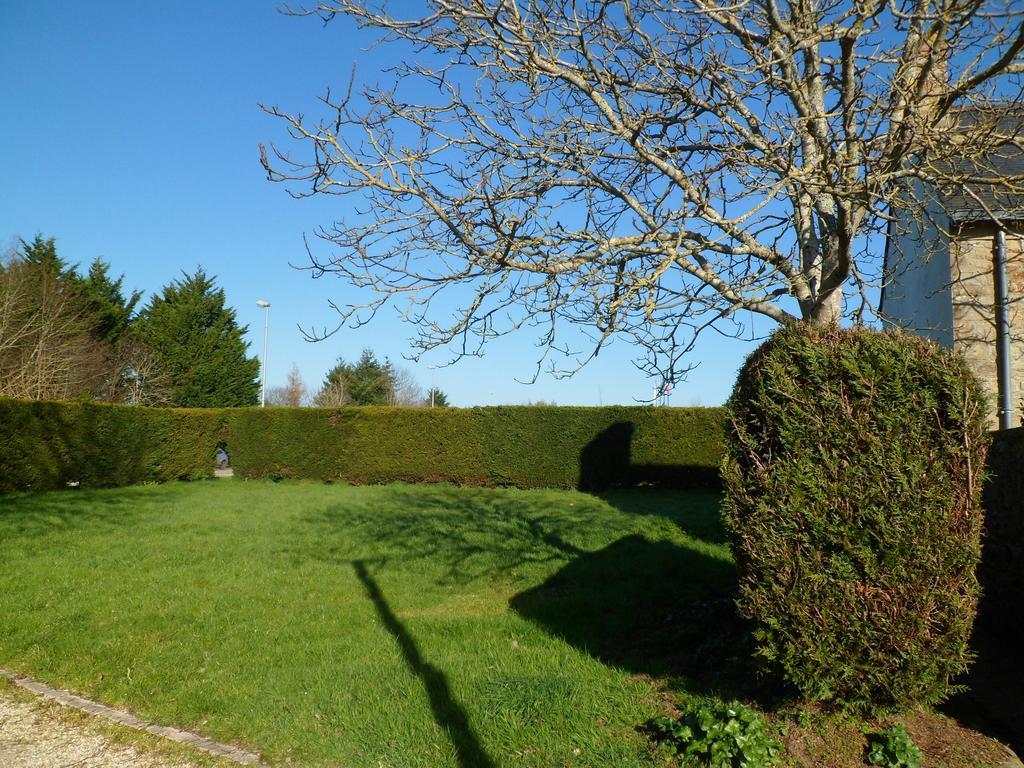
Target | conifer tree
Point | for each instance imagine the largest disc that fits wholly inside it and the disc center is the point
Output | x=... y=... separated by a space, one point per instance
x=366 y=382
x=200 y=345
x=436 y=397
x=42 y=253
x=106 y=301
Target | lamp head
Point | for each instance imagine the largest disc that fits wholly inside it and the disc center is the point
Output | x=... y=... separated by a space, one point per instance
x=262 y=303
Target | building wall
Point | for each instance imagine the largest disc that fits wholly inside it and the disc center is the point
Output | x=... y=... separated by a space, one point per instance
x=917 y=293
x=973 y=304
x=1002 y=565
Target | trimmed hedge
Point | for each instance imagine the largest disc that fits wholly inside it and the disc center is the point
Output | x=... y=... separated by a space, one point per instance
x=46 y=445
x=853 y=476
x=362 y=445
x=529 y=447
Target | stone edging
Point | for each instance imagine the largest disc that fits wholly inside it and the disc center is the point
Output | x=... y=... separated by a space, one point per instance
x=188 y=738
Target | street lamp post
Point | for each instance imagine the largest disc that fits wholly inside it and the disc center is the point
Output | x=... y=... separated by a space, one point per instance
x=433 y=382
x=266 y=329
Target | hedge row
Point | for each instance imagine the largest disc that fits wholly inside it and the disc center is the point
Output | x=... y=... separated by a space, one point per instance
x=588 y=448
x=47 y=445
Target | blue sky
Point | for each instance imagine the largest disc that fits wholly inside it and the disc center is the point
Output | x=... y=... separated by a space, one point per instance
x=130 y=132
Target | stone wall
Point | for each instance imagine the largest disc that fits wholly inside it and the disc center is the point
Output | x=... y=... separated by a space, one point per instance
x=974 y=322
x=1002 y=566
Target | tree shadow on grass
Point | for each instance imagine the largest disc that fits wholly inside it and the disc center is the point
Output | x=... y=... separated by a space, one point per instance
x=653 y=608
x=448 y=713
x=642 y=603
x=474 y=534
x=462 y=536
x=38 y=513
x=696 y=512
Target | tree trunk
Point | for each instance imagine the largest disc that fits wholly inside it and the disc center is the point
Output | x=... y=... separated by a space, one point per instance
x=827 y=311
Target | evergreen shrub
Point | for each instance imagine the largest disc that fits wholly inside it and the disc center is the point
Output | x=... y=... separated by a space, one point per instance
x=367 y=444
x=522 y=446
x=853 y=472
x=46 y=445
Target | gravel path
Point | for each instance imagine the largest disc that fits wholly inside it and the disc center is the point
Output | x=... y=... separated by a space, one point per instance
x=36 y=735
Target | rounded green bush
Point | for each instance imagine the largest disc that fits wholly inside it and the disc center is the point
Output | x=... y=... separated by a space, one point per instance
x=853 y=473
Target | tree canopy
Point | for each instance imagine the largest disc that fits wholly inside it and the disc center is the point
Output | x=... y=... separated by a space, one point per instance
x=105 y=299
x=293 y=393
x=365 y=382
x=64 y=334
x=200 y=345
x=436 y=398
x=41 y=253
x=650 y=168
x=368 y=381
x=61 y=333
x=48 y=348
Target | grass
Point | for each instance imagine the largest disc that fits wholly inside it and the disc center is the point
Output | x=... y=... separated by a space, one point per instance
x=393 y=625
x=390 y=625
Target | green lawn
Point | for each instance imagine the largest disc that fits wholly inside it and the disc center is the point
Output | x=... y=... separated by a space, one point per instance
x=376 y=626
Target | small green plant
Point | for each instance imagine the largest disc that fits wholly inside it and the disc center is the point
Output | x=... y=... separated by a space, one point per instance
x=719 y=736
x=893 y=748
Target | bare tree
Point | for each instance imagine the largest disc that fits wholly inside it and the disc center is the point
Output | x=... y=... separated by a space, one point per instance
x=17 y=326
x=331 y=395
x=135 y=375
x=294 y=393
x=47 y=350
x=650 y=168
x=405 y=390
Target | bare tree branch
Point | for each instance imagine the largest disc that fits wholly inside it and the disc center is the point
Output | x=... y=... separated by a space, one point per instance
x=646 y=168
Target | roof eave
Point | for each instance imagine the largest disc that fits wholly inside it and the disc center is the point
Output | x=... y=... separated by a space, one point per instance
x=976 y=217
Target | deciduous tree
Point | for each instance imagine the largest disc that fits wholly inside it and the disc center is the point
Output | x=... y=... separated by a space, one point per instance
x=136 y=374
x=406 y=392
x=47 y=348
x=294 y=393
x=650 y=168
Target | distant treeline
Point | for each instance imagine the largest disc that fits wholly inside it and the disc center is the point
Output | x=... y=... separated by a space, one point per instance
x=67 y=335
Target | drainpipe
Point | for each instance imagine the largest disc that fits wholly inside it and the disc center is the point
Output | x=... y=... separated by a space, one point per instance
x=1003 y=332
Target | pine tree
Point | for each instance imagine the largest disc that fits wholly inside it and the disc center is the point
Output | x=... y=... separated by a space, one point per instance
x=436 y=397
x=105 y=300
x=97 y=294
x=42 y=253
x=366 y=382
x=200 y=345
